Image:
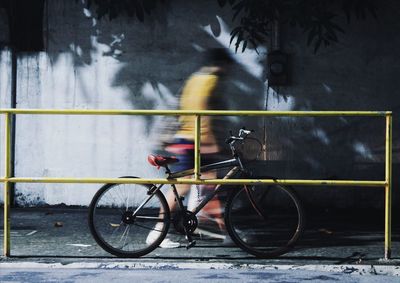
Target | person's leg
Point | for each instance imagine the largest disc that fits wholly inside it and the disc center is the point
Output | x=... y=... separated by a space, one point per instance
x=171 y=200
x=182 y=189
x=186 y=161
x=213 y=208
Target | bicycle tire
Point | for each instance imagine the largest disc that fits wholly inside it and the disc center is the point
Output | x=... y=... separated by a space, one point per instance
x=273 y=227
x=113 y=211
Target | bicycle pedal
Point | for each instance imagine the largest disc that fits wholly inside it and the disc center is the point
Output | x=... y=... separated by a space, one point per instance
x=191 y=245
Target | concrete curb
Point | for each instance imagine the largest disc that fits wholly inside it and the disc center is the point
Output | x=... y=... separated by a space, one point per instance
x=349 y=269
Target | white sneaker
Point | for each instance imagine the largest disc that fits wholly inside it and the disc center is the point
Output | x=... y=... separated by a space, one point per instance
x=165 y=244
x=168 y=244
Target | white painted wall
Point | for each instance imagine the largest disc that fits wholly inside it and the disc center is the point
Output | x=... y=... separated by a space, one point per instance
x=5 y=88
x=101 y=65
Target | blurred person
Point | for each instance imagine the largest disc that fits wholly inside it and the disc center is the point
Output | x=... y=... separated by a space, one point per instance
x=200 y=92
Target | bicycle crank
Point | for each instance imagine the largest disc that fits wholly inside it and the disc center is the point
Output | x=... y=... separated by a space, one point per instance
x=190 y=222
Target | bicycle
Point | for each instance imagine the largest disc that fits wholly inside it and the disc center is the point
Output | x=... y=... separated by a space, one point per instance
x=263 y=220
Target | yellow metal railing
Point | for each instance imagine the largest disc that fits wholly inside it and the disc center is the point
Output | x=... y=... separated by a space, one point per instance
x=387 y=183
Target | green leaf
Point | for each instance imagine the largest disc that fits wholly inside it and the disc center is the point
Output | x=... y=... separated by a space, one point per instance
x=238 y=40
x=233 y=34
x=254 y=45
x=244 y=45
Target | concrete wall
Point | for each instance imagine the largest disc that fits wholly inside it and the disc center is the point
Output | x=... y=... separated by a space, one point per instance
x=125 y=64
x=122 y=65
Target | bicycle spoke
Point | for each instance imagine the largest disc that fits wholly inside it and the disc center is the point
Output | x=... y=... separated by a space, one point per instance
x=126 y=236
x=148 y=217
x=108 y=196
x=148 y=228
x=127 y=201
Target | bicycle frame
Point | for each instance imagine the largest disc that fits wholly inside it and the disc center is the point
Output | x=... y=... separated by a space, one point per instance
x=235 y=164
x=216 y=190
x=217 y=165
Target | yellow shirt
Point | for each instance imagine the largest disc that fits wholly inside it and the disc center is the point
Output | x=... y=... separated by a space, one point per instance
x=196 y=96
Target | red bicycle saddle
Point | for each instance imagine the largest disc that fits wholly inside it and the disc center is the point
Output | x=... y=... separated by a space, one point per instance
x=159 y=160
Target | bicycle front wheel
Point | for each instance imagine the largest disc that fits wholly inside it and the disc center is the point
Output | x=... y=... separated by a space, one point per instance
x=121 y=217
x=264 y=220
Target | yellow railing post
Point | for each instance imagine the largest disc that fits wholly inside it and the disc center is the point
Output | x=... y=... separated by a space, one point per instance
x=7 y=175
x=388 y=187
x=197 y=164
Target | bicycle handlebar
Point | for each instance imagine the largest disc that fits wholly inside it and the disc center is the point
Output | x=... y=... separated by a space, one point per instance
x=243 y=133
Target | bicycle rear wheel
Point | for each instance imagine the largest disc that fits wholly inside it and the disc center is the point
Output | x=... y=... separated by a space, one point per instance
x=264 y=220
x=117 y=230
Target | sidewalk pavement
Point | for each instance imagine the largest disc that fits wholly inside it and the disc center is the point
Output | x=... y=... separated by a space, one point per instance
x=337 y=242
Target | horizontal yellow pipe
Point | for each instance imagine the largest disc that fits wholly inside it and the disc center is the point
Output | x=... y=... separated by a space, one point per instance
x=198 y=182
x=190 y=112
